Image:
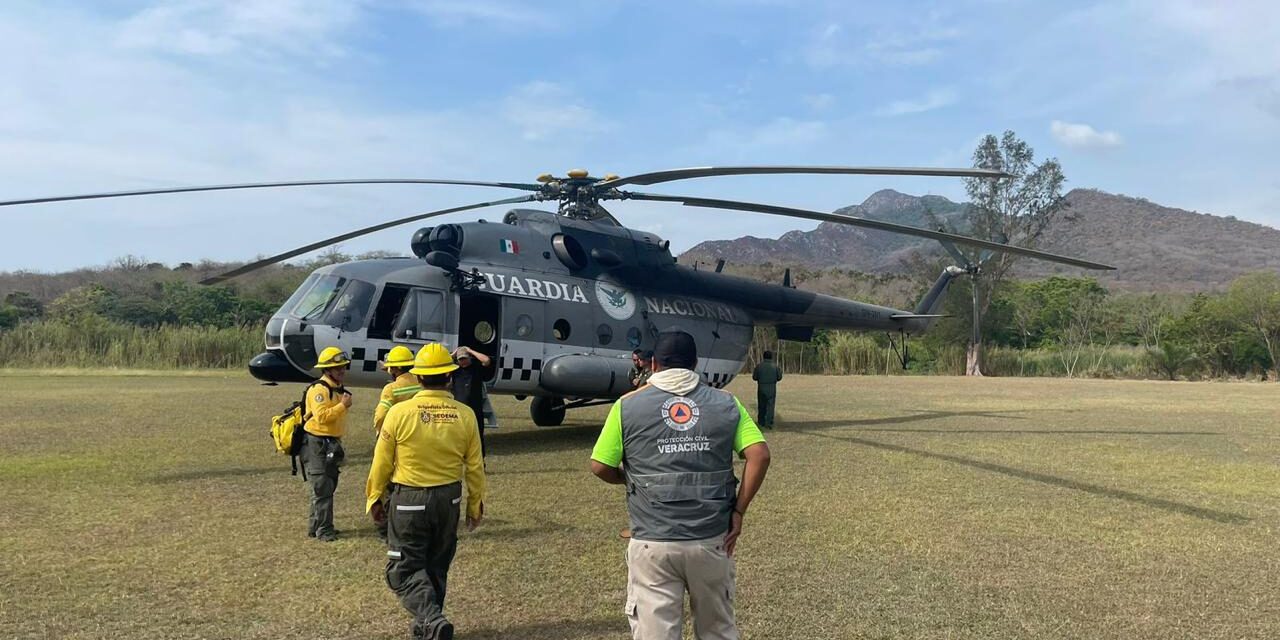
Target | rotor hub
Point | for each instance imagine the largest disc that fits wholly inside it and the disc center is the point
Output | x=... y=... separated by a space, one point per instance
x=578 y=194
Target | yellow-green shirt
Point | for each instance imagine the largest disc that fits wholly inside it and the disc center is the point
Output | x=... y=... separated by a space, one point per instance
x=427 y=441
x=402 y=388
x=328 y=415
x=608 y=449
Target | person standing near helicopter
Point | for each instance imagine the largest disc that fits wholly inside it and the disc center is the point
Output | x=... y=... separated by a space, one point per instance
x=322 y=453
x=468 y=383
x=427 y=448
x=403 y=386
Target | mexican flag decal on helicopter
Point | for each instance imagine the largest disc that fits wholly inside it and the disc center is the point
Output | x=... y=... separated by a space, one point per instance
x=510 y=246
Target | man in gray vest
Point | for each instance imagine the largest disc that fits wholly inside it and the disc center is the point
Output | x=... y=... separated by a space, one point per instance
x=767 y=374
x=677 y=438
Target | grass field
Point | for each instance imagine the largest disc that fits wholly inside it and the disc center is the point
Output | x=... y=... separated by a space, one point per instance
x=154 y=507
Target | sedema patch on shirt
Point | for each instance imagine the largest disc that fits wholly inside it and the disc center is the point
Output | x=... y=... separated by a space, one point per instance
x=438 y=413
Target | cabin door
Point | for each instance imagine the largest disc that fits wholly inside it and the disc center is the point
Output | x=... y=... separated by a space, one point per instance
x=479 y=317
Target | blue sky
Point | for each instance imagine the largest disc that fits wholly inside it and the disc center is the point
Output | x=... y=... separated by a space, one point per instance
x=1174 y=101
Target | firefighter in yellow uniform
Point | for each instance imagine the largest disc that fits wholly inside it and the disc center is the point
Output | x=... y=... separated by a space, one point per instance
x=322 y=453
x=403 y=386
x=427 y=446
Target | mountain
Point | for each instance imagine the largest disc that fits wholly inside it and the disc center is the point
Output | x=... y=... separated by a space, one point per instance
x=1154 y=248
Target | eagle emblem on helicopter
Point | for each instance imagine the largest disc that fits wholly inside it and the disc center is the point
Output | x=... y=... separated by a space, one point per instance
x=618 y=303
x=515 y=290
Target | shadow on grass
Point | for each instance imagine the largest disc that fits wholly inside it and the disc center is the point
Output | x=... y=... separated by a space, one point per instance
x=542 y=440
x=584 y=469
x=214 y=474
x=819 y=425
x=1224 y=517
x=559 y=629
x=919 y=416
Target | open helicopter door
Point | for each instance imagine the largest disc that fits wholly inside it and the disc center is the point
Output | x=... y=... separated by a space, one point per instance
x=479 y=317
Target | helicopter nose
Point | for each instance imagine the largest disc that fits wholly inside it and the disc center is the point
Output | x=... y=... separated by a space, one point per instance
x=272 y=366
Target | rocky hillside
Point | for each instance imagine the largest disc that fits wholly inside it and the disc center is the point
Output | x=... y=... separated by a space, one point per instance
x=1154 y=248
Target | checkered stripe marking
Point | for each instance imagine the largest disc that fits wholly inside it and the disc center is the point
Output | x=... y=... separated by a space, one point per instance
x=718 y=380
x=361 y=361
x=522 y=369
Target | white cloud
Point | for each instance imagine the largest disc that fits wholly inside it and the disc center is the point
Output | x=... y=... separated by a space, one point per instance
x=935 y=99
x=777 y=133
x=1083 y=136
x=820 y=101
x=542 y=109
x=81 y=111
x=489 y=12
x=923 y=41
x=260 y=28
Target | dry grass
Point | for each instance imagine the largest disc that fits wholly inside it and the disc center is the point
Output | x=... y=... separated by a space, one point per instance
x=153 y=507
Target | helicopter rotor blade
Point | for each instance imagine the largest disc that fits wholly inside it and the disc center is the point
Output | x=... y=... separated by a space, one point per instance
x=269 y=185
x=955 y=253
x=711 y=203
x=656 y=177
x=254 y=266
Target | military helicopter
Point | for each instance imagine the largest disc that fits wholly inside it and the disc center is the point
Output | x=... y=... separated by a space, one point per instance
x=560 y=299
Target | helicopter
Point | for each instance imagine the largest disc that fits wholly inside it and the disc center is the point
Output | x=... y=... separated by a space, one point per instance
x=559 y=300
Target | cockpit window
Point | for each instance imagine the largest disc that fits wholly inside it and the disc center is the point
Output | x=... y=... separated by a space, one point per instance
x=353 y=304
x=298 y=293
x=318 y=297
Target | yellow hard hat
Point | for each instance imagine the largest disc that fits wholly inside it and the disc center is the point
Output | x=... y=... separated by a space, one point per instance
x=333 y=357
x=432 y=360
x=399 y=357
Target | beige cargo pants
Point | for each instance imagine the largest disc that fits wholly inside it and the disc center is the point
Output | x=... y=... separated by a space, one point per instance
x=659 y=574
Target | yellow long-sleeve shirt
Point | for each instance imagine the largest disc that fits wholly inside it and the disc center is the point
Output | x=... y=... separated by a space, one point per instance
x=428 y=441
x=402 y=388
x=328 y=415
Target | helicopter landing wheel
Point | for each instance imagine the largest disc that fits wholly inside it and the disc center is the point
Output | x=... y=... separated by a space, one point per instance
x=547 y=411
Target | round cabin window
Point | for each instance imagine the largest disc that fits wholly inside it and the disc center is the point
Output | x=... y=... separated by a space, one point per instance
x=634 y=337
x=604 y=333
x=560 y=329
x=484 y=332
x=524 y=326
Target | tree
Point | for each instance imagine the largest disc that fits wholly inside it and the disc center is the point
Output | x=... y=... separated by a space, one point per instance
x=1253 y=300
x=81 y=302
x=1170 y=358
x=24 y=304
x=1014 y=210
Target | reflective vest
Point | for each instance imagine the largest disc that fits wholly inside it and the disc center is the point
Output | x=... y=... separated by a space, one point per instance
x=398 y=390
x=678 y=460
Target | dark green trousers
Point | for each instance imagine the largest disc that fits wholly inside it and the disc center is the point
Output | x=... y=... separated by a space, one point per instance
x=422 y=536
x=766 y=398
x=321 y=458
